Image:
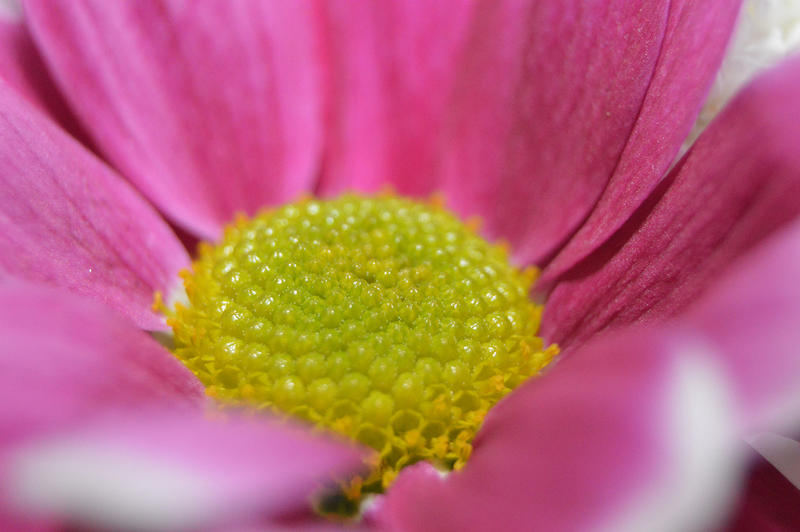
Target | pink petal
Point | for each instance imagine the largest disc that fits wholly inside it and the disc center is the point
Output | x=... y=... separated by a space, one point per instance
x=100 y=425
x=751 y=317
x=692 y=50
x=209 y=109
x=13 y=523
x=393 y=65
x=64 y=359
x=164 y=471
x=21 y=67
x=561 y=97
x=67 y=220
x=637 y=433
x=519 y=111
x=640 y=424
x=738 y=185
x=769 y=502
x=748 y=319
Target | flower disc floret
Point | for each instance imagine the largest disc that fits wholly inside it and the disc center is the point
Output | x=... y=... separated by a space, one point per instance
x=384 y=319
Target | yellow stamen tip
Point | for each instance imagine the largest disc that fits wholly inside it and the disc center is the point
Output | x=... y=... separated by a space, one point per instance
x=437 y=200
x=475 y=223
x=158 y=302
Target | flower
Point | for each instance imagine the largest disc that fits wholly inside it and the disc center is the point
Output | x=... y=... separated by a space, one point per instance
x=673 y=299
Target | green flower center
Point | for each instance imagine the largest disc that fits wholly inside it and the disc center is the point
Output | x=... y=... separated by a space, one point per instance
x=384 y=319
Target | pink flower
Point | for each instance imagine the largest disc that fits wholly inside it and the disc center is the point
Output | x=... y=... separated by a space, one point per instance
x=555 y=121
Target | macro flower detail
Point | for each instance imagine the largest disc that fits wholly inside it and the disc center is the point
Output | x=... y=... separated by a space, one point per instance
x=133 y=130
x=387 y=320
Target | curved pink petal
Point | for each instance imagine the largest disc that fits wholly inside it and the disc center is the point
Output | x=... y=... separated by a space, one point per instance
x=64 y=359
x=99 y=424
x=392 y=68
x=751 y=316
x=637 y=433
x=639 y=429
x=691 y=53
x=559 y=97
x=739 y=184
x=69 y=221
x=594 y=432
x=165 y=471
x=21 y=67
x=519 y=111
x=209 y=108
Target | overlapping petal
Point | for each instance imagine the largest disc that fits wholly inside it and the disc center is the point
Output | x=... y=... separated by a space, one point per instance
x=768 y=503
x=520 y=111
x=753 y=322
x=469 y=100
x=67 y=220
x=424 y=102
x=558 y=97
x=100 y=424
x=392 y=66
x=738 y=184
x=64 y=359
x=646 y=418
x=633 y=434
x=209 y=108
x=22 y=68
x=162 y=471
x=691 y=52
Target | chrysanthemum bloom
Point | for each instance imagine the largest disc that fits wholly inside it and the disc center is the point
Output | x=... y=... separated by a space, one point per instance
x=672 y=293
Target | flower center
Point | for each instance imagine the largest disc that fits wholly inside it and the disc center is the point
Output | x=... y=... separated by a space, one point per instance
x=383 y=319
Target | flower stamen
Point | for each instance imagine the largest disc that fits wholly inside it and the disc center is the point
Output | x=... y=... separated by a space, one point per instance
x=383 y=319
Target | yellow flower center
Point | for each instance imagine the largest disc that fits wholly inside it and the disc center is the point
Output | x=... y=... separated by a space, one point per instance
x=383 y=319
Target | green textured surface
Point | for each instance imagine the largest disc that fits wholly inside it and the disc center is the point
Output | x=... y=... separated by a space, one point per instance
x=387 y=320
